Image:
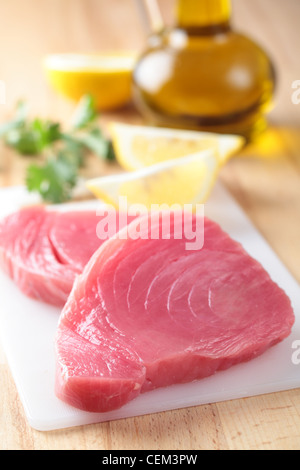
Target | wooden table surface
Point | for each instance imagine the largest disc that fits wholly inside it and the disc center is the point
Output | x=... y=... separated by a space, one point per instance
x=265 y=181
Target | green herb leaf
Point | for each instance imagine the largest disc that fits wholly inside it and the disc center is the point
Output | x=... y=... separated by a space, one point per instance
x=29 y=138
x=54 y=181
x=33 y=138
x=75 y=148
x=25 y=141
x=17 y=121
x=85 y=113
x=96 y=143
x=49 y=132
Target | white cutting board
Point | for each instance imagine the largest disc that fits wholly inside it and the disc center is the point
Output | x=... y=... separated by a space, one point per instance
x=28 y=329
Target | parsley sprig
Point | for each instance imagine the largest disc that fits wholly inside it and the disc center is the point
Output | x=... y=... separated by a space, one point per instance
x=60 y=154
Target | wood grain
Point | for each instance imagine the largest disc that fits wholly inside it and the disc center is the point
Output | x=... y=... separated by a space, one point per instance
x=265 y=180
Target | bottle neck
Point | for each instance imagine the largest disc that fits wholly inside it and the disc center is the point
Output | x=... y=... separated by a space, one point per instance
x=203 y=14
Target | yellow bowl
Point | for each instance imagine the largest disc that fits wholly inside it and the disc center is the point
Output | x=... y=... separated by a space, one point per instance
x=107 y=77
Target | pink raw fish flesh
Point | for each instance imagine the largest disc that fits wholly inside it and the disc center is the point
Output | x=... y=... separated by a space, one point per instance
x=148 y=313
x=43 y=251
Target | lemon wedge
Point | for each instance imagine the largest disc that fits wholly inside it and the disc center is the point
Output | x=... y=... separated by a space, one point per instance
x=183 y=181
x=106 y=77
x=141 y=146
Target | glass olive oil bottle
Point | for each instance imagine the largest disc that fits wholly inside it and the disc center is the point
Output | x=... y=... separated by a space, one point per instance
x=203 y=75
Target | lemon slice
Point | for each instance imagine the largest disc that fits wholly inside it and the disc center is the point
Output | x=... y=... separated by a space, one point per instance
x=184 y=181
x=141 y=146
x=106 y=77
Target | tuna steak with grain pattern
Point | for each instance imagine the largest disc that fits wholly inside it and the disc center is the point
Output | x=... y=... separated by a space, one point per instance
x=148 y=313
x=43 y=251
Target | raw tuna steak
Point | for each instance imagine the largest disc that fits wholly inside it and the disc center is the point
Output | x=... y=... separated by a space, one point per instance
x=149 y=313
x=43 y=251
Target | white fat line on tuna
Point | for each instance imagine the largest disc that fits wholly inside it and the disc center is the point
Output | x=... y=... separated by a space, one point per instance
x=296 y=354
x=193 y=233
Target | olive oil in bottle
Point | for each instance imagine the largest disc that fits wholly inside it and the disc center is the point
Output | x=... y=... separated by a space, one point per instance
x=204 y=75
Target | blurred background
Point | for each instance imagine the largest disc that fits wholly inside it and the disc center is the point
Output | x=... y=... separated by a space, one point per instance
x=33 y=28
x=265 y=181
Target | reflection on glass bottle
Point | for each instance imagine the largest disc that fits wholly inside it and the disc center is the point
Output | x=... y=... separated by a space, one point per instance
x=204 y=75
